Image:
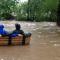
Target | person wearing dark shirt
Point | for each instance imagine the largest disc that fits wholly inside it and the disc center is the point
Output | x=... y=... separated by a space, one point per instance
x=18 y=31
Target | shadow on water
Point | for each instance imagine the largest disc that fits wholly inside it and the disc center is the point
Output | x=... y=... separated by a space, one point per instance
x=45 y=43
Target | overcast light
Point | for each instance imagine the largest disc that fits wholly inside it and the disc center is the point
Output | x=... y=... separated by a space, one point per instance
x=23 y=0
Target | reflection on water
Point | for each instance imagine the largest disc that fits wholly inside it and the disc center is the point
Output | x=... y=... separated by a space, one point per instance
x=45 y=43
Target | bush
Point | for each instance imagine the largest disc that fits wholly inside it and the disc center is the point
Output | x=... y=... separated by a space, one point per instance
x=7 y=16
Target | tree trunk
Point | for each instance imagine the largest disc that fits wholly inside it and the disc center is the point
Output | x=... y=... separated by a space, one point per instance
x=28 y=11
x=58 y=14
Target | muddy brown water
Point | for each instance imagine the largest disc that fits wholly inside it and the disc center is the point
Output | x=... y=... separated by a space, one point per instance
x=45 y=43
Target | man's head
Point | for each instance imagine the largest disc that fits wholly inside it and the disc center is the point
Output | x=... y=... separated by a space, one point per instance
x=17 y=26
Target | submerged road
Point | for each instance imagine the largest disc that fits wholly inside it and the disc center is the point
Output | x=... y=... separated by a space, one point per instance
x=45 y=43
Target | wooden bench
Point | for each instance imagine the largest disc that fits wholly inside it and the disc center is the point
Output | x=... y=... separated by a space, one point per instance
x=17 y=40
x=14 y=40
x=4 y=40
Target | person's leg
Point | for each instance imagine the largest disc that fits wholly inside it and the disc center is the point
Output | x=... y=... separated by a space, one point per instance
x=26 y=35
x=23 y=41
x=9 y=41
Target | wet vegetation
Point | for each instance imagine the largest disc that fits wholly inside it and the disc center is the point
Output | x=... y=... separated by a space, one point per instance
x=31 y=10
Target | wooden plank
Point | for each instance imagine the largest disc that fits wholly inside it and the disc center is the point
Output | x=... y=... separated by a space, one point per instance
x=17 y=40
x=4 y=41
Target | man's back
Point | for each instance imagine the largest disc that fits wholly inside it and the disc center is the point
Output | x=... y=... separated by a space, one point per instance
x=18 y=32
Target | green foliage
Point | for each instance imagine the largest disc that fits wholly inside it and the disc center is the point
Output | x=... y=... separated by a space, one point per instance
x=52 y=7
x=40 y=10
x=33 y=10
x=7 y=7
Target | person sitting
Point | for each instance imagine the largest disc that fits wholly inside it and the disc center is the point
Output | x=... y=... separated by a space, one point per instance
x=2 y=31
x=18 y=31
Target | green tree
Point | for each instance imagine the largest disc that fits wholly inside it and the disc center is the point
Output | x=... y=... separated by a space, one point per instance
x=52 y=8
x=7 y=7
x=34 y=8
x=42 y=10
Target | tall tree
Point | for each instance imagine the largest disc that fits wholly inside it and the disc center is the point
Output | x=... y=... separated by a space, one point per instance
x=34 y=7
x=28 y=10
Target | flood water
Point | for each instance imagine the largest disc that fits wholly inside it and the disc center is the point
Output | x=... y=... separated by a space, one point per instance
x=45 y=43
